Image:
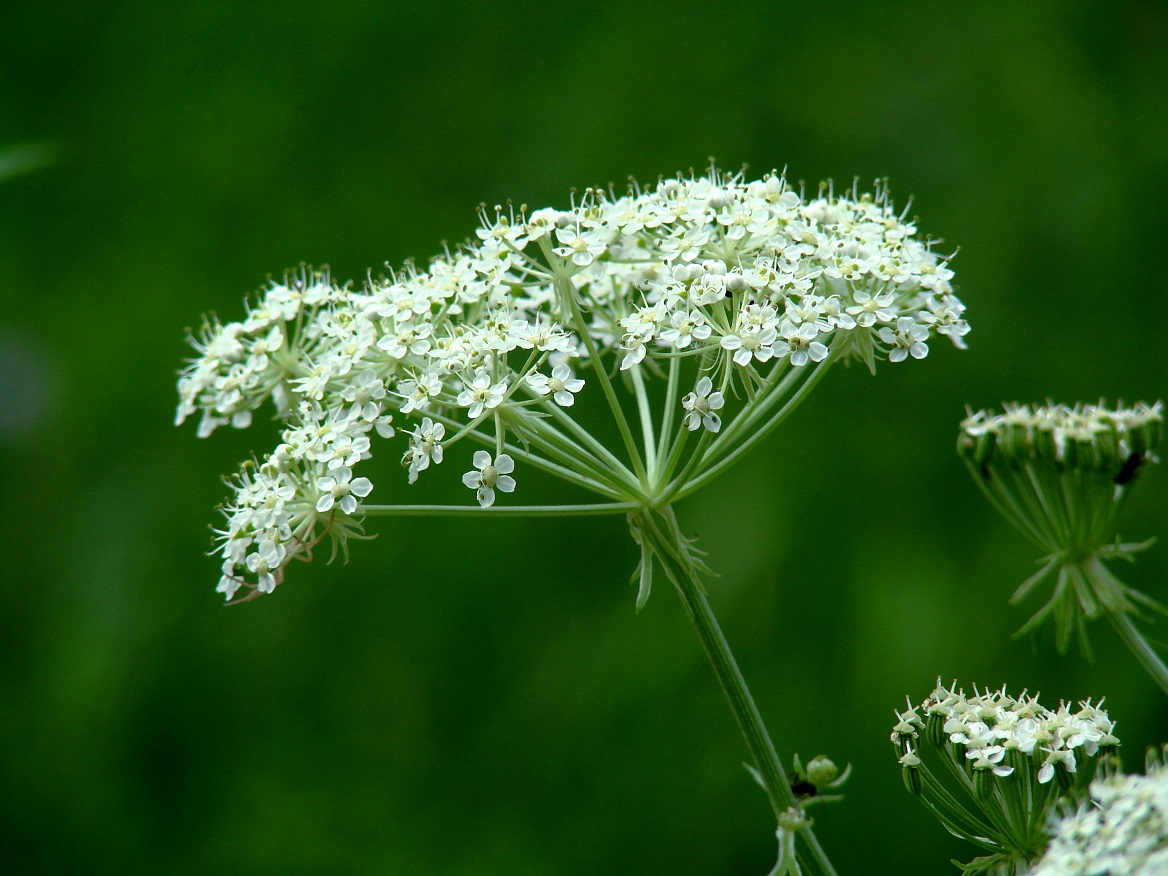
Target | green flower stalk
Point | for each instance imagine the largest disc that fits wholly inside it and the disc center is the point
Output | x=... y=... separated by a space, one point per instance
x=1061 y=475
x=696 y=315
x=1011 y=760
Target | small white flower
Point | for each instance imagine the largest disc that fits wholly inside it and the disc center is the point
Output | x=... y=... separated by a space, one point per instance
x=802 y=343
x=363 y=392
x=686 y=328
x=262 y=347
x=340 y=490
x=384 y=426
x=685 y=244
x=634 y=348
x=229 y=583
x=425 y=445
x=346 y=451
x=481 y=395
x=488 y=476
x=700 y=407
x=418 y=392
x=756 y=344
x=1055 y=756
x=263 y=562
x=909 y=338
x=580 y=245
x=561 y=385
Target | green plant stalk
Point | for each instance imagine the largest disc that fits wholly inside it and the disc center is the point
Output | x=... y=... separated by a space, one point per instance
x=1139 y=646
x=595 y=510
x=663 y=536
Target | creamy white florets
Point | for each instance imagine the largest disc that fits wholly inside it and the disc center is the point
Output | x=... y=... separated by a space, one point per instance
x=737 y=277
x=1121 y=831
x=985 y=726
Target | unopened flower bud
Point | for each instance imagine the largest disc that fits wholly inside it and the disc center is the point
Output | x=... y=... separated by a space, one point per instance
x=1054 y=475
x=983 y=783
x=912 y=779
x=935 y=729
x=821 y=771
x=1045 y=447
x=1015 y=441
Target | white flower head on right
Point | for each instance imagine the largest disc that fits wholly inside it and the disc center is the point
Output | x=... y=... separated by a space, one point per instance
x=1121 y=830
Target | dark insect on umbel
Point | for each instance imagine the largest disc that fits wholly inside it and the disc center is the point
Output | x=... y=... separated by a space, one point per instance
x=803 y=788
x=1128 y=471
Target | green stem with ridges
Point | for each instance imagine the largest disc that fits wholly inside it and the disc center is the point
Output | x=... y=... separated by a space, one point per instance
x=1139 y=646
x=590 y=443
x=661 y=532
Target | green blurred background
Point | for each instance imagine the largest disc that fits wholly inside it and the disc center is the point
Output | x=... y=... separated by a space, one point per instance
x=479 y=697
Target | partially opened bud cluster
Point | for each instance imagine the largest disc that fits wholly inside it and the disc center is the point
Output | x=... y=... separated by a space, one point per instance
x=733 y=292
x=1087 y=438
x=1061 y=474
x=1012 y=757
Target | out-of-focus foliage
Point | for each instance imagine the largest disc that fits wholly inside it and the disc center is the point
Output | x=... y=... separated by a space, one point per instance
x=479 y=696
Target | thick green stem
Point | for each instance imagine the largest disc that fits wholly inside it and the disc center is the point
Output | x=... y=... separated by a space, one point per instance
x=664 y=537
x=1139 y=646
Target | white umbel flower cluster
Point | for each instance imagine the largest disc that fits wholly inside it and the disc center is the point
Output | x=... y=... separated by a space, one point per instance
x=735 y=287
x=1014 y=759
x=986 y=726
x=1121 y=831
